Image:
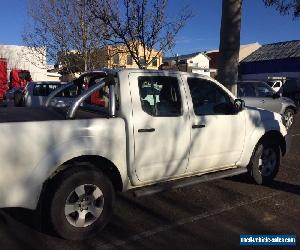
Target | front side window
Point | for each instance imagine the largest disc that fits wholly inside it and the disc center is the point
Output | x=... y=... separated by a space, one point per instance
x=208 y=98
x=160 y=95
x=264 y=90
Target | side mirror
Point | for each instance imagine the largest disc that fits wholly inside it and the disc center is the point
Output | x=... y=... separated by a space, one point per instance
x=239 y=104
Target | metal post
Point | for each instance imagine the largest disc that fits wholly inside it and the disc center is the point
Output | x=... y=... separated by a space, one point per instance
x=112 y=100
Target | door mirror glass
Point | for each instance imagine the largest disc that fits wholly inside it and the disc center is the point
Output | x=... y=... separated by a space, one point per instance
x=239 y=104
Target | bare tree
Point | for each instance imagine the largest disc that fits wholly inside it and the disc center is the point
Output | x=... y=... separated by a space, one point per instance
x=142 y=26
x=285 y=7
x=66 y=29
x=230 y=36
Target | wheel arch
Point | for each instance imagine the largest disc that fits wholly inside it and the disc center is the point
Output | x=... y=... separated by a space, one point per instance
x=274 y=136
x=97 y=162
x=292 y=108
x=85 y=161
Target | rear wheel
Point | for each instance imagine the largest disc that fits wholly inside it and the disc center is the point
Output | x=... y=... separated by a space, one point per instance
x=265 y=162
x=81 y=203
x=288 y=117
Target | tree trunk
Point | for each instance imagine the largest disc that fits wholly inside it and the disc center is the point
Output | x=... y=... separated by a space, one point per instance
x=230 y=44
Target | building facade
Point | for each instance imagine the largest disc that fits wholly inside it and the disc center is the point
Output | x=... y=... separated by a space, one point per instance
x=119 y=57
x=194 y=63
x=272 y=60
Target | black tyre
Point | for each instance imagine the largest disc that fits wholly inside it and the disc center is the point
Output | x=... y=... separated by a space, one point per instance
x=265 y=162
x=288 y=115
x=18 y=99
x=80 y=203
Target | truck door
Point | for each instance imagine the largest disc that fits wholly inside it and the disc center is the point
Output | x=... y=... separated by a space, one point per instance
x=218 y=132
x=161 y=126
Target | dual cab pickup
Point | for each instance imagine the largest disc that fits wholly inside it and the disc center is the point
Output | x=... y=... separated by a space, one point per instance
x=158 y=130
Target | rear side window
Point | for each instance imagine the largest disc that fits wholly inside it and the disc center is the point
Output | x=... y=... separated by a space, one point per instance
x=160 y=95
x=246 y=90
x=46 y=89
x=40 y=90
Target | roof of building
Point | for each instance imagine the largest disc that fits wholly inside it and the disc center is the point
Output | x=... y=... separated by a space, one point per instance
x=275 y=51
x=182 y=57
x=242 y=46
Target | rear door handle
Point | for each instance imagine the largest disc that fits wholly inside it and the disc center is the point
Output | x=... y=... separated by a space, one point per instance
x=146 y=130
x=198 y=126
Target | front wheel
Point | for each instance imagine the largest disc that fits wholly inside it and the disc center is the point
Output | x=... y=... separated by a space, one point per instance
x=81 y=203
x=265 y=162
x=18 y=99
x=288 y=117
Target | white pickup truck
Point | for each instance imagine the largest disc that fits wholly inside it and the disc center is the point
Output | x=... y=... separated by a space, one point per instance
x=158 y=130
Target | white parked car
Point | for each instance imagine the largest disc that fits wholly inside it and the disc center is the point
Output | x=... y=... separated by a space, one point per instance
x=185 y=129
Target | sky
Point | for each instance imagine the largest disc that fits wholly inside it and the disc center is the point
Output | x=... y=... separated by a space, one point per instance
x=259 y=24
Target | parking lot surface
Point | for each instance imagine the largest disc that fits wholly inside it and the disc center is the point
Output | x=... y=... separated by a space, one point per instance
x=206 y=216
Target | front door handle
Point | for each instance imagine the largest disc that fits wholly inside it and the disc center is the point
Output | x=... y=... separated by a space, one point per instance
x=146 y=130
x=198 y=126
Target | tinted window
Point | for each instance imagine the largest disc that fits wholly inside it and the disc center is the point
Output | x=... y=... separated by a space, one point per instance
x=46 y=89
x=52 y=87
x=160 y=95
x=246 y=90
x=43 y=89
x=208 y=98
x=263 y=90
x=70 y=92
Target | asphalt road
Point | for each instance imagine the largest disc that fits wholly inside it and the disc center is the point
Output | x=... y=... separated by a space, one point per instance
x=205 y=216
